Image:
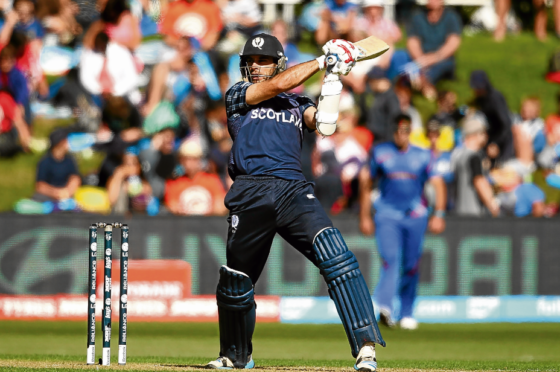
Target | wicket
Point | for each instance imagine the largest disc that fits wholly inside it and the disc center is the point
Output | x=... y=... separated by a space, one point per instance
x=92 y=286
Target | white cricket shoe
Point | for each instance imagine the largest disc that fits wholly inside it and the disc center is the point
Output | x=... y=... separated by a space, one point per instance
x=366 y=362
x=409 y=323
x=225 y=363
x=385 y=318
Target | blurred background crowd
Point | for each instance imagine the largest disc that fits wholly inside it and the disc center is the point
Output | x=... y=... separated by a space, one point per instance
x=138 y=85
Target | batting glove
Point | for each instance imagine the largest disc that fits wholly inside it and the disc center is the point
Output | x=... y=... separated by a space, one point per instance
x=346 y=54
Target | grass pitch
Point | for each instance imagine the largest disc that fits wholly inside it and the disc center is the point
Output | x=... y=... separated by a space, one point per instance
x=61 y=346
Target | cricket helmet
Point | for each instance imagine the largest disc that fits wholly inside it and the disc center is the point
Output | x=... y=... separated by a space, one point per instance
x=262 y=45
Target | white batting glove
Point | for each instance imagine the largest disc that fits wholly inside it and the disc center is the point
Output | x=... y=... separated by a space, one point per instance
x=342 y=68
x=346 y=53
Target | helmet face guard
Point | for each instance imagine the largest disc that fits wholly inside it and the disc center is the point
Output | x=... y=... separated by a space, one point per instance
x=249 y=73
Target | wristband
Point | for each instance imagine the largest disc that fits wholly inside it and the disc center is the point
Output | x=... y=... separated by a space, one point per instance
x=321 y=62
x=440 y=214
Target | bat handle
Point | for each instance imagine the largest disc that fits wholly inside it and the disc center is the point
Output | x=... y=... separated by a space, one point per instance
x=331 y=60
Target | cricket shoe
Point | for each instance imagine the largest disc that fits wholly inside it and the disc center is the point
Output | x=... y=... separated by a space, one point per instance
x=409 y=323
x=366 y=362
x=225 y=363
x=385 y=318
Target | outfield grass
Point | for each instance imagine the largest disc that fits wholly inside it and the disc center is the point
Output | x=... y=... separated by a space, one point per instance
x=515 y=66
x=515 y=347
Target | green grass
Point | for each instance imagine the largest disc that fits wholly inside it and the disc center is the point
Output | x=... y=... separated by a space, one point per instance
x=513 y=347
x=516 y=67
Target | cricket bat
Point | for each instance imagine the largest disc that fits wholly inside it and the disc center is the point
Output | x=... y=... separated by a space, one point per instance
x=370 y=48
x=327 y=109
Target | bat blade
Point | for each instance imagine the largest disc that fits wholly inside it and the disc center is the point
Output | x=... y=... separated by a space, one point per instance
x=371 y=47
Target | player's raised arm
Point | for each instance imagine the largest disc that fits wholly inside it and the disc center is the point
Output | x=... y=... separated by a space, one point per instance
x=263 y=63
x=280 y=83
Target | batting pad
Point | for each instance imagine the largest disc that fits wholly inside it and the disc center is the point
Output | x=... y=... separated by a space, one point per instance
x=347 y=288
x=236 y=310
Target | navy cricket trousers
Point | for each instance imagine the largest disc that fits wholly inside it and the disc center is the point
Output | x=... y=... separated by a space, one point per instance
x=259 y=208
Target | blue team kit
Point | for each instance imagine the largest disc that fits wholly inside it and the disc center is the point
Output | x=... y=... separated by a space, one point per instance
x=401 y=217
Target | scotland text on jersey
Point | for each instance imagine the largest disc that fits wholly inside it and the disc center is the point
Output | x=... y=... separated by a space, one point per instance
x=261 y=113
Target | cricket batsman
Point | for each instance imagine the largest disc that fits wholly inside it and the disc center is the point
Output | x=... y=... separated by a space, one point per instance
x=401 y=217
x=270 y=195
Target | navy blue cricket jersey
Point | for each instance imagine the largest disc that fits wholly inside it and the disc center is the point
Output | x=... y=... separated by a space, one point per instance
x=267 y=137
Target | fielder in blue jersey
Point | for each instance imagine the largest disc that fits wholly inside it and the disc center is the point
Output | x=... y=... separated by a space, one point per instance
x=270 y=195
x=401 y=217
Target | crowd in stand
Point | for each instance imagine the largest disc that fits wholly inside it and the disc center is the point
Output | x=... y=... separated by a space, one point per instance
x=142 y=82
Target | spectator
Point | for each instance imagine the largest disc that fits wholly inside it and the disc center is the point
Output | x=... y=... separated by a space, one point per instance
x=57 y=16
x=12 y=79
x=199 y=19
x=12 y=126
x=528 y=131
x=172 y=80
x=197 y=192
x=547 y=158
x=381 y=114
x=403 y=90
x=517 y=198
x=447 y=112
x=127 y=188
x=449 y=116
x=159 y=161
x=118 y=23
x=121 y=122
x=541 y=18
x=73 y=95
x=493 y=105
x=547 y=161
x=441 y=161
x=372 y=23
x=27 y=23
x=87 y=13
x=329 y=189
x=434 y=36
x=7 y=26
x=57 y=174
x=27 y=54
x=472 y=188
x=337 y=21
x=242 y=16
x=440 y=138
x=109 y=68
x=279 y=30
x=221 y=147
x=27 y=61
